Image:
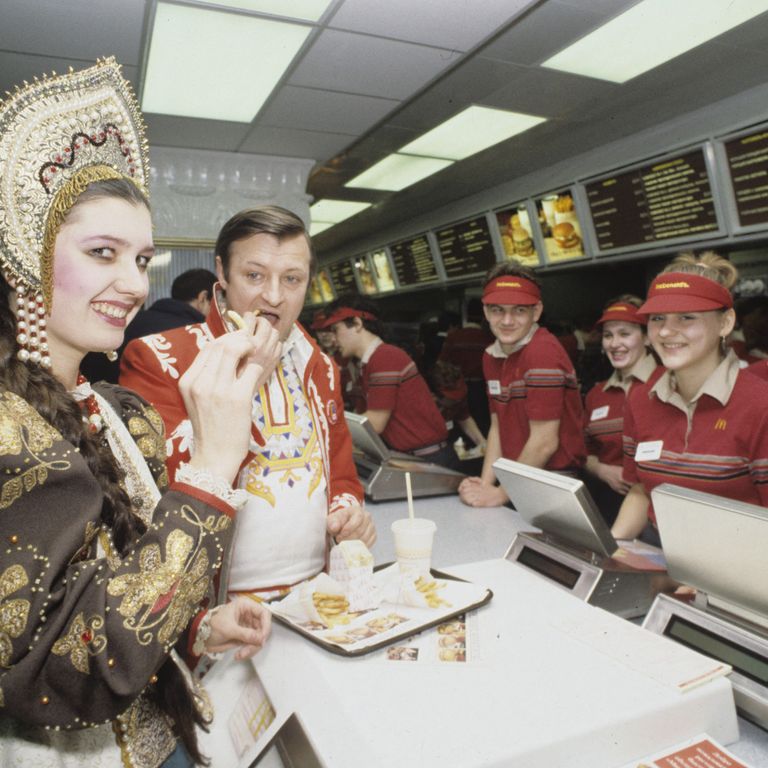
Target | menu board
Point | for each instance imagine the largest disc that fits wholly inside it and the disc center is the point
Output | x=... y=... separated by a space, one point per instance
x=747 y=159
x=661 y=201
x=343 y=276
x=413 y=261
x=466 y=248
x=560 y=227
x=320 y=289
x=517 y=235
x=383 y=271
x=365 y=275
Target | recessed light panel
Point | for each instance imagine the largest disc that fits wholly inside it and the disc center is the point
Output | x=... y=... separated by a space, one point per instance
x=650 y=33
x=316 y=227
x=306 y=10
x=472 y=130
x=216 y=65
x=396 y=172
x=334 y=211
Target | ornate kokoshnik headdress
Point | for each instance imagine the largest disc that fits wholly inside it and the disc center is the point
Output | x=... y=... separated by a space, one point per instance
x=57 y=136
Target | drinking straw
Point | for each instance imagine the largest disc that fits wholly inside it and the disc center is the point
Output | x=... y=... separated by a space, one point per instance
x=410 y=494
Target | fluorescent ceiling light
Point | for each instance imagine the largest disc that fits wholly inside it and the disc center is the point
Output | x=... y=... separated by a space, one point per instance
x=472 y=130
x=650 y=33
x=307 y=10
x=216 y=65
x=334 y=211
x=396 y=172
x=315 y=228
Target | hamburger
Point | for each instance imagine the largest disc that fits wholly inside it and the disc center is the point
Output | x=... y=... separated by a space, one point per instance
x=565 y=235
x=521 y=240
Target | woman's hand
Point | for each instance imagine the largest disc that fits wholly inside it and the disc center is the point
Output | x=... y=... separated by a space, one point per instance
x=218 y=390
x=242 y=624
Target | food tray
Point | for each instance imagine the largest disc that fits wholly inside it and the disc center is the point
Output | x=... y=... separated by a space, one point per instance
x=413 y=621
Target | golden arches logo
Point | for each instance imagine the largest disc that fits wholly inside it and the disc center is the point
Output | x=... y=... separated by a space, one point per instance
x=721 y=424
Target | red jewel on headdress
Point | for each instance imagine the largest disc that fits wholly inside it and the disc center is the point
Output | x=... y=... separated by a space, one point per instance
x=87 y=636
x=94 y=420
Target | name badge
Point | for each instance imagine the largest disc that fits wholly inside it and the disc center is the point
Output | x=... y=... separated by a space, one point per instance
x=494 y=387
x=599 y=413
x=449 y=425
x=649 y=451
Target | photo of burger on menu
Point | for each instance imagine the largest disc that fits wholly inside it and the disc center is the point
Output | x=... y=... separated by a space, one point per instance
x=560 y=227
x=517 y=235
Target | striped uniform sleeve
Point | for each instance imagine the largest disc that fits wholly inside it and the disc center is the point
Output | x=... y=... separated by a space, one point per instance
x=629 y=445
x=545 y=383
x=384 y=382
x=758 y=464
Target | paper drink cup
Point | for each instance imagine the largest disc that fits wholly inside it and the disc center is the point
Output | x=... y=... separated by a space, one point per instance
x=413 y=544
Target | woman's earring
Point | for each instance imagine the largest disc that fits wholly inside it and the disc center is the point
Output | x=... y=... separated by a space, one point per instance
x=723 y=345
x=111 y=355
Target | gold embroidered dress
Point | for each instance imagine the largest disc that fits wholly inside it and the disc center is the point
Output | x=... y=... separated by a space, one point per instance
x=83 y=632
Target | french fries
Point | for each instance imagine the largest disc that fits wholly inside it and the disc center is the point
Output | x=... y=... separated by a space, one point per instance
x=332 y=609
x=429 y=590
x=238 y=320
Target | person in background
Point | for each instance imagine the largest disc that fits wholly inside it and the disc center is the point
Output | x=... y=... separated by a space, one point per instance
x=398 y=402
x=624 y=343
x=704 y=423
x=105 y=565
x=464 y=347
x=190 y=300
x=349 y=369
x=300 y=479
x=536 y=411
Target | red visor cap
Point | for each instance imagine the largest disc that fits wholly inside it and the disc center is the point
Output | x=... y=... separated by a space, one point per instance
x=681 y=292
x=511 y=290
x=622 y=311
x=343 y=313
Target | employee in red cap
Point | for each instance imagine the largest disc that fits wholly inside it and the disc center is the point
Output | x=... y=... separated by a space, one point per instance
x=398 y=402
x=536 y=412
x=704 y=423
x=624 y=343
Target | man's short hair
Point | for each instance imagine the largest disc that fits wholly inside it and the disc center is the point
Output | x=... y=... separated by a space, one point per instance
x=264 y=219
x=512 y=268
x=187 y=286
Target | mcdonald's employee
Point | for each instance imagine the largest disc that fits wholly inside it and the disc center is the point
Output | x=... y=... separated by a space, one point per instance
x=536 y=412
x=704 y=423
x=398 y=401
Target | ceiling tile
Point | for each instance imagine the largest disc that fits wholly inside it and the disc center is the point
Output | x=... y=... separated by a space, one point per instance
x=386 y=68
x=289 y=142
x=543 y=32
x=459 y=25
x=81 y=29
x=17 y=67
x=191 y=133
x=329 y=111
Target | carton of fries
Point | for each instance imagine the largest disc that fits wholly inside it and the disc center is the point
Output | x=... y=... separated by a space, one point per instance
x=352 y=567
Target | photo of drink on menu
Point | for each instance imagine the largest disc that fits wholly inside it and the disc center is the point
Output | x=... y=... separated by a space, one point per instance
x=517 y=235
x=320 y=290
x=560 y=227
x=383 y=271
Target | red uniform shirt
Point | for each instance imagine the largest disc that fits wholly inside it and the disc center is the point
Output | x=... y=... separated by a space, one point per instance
x=719 y=446
x=536 y=383
x=604 y=411
x=465 y=347
x=760 y=368
x=391 y=382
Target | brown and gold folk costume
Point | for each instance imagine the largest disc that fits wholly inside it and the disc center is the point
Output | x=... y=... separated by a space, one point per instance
x=102 y=566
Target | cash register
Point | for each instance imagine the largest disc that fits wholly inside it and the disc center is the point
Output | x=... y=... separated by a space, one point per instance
x=382 y=471
x=575 y=549
x=720 y=547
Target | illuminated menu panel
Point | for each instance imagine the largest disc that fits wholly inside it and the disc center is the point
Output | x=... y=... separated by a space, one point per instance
x=667 y=200
x=320 y=290
x=748 y=166
x=466 y=248
x=517 y=235
x=383 y=271
x=343 y=276
x=414 y=262
x=560 y=227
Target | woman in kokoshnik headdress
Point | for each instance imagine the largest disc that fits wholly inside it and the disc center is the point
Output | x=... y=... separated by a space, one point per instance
x=105 y=569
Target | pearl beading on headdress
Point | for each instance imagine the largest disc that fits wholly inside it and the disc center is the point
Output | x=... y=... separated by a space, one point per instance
x=30 y=328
